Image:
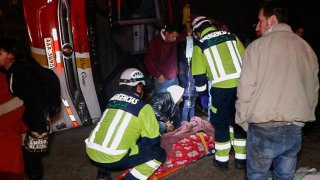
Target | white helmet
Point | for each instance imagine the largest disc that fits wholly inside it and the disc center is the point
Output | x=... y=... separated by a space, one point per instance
x=198 y=21
x=176 y=92
x=131 y=77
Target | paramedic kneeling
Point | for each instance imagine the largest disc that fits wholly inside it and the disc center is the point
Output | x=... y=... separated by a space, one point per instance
x=127 y=136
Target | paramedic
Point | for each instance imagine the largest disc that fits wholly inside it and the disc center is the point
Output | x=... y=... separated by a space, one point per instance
x=217 y=58
x=127 y=136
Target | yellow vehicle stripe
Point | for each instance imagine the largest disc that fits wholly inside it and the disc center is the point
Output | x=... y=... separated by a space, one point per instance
x=83 y=63
x=42 y=59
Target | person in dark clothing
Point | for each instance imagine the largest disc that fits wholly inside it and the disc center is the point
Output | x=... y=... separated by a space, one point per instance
x=161 y=61
x=24 y=83
x=164 y=106
x=161 y=58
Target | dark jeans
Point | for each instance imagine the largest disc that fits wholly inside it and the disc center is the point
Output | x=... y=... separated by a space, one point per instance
x=33 y=164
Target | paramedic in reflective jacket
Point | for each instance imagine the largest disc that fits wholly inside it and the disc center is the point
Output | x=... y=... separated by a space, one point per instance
x=216 y=59
x=127 y=136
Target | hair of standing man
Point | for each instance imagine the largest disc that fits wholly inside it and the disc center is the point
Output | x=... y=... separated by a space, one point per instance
x=16 y=48
x=277 y=8
x=173 y=28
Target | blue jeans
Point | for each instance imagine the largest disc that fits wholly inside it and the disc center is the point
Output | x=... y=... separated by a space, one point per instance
x=272 y=145
x=162 y=87
x=188 y=109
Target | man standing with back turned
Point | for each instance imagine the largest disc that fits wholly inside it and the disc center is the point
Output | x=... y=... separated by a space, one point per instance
x=277 y=94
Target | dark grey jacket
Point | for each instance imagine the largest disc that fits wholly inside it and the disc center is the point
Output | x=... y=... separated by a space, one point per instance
x=163 y=106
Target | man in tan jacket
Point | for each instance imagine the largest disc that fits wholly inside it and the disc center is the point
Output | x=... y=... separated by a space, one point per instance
x=277 y=93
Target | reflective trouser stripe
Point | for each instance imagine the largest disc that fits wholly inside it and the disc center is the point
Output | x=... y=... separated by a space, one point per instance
x=145 y=170
x=223 y=146
x=240 y=156
x=231 y=132
x=201 y=88
x=240 y=142
x=240 y=148
x=222 y=158
x=137 y=174
x=222 y=151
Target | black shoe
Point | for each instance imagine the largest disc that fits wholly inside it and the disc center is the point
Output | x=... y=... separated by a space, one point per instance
x=240 y=166
x=220 y=166
x=103 y=175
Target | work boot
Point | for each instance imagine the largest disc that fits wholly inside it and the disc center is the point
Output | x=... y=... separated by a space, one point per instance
x=240 y=166
x=221 y=166
x=103 y=174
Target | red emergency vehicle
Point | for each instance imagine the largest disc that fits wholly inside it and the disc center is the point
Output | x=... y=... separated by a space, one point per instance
x=87 y=43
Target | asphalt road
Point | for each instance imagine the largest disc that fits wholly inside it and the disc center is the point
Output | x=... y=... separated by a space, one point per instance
x=67 y=159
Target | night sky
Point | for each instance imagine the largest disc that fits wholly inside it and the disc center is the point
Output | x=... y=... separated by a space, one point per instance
x=241 y=15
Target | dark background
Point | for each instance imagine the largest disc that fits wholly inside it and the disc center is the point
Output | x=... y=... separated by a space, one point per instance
x=240 y=15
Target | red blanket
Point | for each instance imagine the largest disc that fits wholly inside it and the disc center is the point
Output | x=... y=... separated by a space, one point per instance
x=189 y=143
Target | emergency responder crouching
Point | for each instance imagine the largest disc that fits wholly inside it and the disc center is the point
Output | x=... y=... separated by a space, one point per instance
x=127 y=135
